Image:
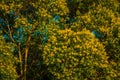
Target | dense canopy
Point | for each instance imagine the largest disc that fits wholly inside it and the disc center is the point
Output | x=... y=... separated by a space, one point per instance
x=59 y=39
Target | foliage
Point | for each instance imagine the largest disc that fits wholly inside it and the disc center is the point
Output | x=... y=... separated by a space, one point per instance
x=23 y=23
x=36 y=29
x=73 y=55
x=104 y=26
x=7 y=61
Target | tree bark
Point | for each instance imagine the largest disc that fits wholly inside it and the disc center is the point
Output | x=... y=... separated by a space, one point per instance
x=26 y=56
x=20 y=61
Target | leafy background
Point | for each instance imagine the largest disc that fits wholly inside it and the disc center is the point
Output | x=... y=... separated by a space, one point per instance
x=59 y=39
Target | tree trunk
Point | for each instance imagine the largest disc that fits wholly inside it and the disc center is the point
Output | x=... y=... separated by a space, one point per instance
x=26 y=55
x=20 y=61
x=25 y=65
